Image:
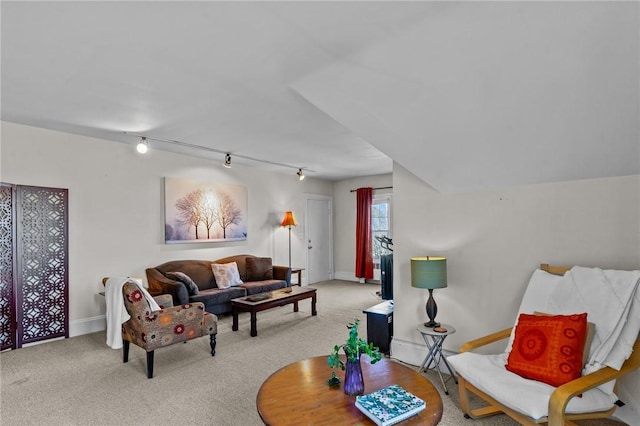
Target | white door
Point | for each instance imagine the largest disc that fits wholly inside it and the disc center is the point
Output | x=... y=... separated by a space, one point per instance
x=319 y=238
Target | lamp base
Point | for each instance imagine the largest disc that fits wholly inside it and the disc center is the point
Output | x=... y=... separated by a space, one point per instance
x=432 y=310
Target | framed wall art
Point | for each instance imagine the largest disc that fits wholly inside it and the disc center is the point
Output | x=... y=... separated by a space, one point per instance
x=199 y=212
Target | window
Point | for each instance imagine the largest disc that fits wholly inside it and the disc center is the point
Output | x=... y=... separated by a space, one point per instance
x=380 y=225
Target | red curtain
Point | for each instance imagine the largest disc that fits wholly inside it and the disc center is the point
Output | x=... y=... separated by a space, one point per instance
x=364 y=256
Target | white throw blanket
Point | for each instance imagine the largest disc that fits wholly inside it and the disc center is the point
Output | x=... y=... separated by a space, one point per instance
x=612 y=301
x=116 y=312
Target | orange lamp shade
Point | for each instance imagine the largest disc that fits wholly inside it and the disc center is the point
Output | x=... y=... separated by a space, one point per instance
x=289 y=219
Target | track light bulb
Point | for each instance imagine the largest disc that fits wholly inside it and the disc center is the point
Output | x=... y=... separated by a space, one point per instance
x=227 y=161
x=300 y=174
x=143 y=146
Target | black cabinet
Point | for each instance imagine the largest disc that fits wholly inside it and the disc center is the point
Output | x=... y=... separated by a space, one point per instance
x=380 y=325
x=386 y=276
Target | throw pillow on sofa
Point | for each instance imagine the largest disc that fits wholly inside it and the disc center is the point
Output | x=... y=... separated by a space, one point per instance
x=226 y=274
x=192 y=288
x=259 y=268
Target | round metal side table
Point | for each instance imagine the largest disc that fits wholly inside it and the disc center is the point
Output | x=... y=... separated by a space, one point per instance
x=434 y=340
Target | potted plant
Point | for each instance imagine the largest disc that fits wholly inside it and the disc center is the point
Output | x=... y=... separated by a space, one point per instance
x=353 y=348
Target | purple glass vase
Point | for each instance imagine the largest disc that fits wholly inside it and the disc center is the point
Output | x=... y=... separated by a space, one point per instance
x=353 y=381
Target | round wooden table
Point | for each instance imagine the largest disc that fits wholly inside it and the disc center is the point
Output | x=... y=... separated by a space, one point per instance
x=298 y=394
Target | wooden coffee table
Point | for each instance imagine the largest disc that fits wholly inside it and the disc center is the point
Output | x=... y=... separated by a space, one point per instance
x=278 y=298
x=298 y=394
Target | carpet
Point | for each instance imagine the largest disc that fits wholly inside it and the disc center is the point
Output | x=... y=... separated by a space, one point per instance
x=81 y=381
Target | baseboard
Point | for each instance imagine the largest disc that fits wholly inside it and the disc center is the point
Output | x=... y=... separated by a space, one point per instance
x=411 y=353
x=345 y=276
x=630 y=413
x=349 y=276
x=87 y=325
x=626 y=414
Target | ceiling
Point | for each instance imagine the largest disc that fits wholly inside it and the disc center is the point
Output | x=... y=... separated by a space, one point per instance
x=466 y=95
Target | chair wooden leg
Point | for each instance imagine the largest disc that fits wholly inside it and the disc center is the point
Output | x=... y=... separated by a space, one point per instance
x=150 y=364
x=213 y=345
x=478 y=413
x=125 y=351
x=464 y=398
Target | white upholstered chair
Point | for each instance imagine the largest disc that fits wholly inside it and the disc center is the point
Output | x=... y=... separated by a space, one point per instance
x=590 y=396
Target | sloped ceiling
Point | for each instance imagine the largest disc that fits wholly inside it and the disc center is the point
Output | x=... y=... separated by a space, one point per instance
x=466 y=95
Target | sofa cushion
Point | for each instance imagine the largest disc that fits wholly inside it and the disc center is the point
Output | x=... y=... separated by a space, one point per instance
x=198 y=270
x=192 y=288
x=255 y=287
x=548 y=348
x=216 y=296
x=259 y=268
x=226 y=274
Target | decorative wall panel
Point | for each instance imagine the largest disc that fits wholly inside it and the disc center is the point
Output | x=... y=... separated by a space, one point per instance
x=42 y=263
x=7 y=294
x=34 y=264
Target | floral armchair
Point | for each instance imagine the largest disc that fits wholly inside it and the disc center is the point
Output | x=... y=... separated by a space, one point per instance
x=171 y=324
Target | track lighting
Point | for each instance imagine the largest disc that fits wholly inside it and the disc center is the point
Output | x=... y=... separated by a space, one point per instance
x=143 y=146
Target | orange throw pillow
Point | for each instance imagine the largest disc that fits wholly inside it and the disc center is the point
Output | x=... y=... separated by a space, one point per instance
x=548 y=348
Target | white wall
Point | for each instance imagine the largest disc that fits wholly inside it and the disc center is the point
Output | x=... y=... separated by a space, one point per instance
x=494 y=240
x=116 y=207
x=344 y=221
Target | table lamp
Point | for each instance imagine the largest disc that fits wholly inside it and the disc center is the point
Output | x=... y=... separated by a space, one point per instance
x=429 y=272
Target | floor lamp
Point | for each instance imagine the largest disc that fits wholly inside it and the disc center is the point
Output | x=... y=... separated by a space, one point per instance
x=289 y=220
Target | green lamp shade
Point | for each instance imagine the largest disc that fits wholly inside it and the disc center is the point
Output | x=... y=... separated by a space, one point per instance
x=429 y=272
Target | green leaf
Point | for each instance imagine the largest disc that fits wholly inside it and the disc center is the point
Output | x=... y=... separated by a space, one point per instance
x=353 y=347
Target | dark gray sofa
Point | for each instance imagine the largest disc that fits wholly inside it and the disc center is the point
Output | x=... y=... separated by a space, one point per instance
x=216 y=300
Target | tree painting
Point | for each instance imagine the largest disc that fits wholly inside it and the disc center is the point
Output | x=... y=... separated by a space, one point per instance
x=190 y=210
x=209 y=212
x=227 y=213
x=204 y=212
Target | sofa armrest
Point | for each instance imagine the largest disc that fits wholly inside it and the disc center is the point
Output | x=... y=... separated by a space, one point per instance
x=158 y=283
x=482 y=341
x=282 y=273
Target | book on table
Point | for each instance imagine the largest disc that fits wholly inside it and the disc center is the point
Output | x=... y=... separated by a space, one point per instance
x=258 y=297
x=390 y=405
